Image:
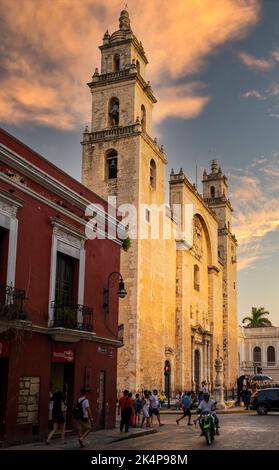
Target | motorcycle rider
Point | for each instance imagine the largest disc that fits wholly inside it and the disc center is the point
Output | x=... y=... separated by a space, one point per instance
x=208 y=405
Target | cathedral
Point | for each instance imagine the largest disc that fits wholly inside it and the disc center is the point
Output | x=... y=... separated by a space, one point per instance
x=181 y=302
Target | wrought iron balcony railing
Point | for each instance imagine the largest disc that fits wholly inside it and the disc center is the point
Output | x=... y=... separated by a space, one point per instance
x=11 y=303
x=72 y=316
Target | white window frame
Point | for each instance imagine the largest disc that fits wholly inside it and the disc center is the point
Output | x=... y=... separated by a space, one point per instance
x=67 y=240
x=9 y=221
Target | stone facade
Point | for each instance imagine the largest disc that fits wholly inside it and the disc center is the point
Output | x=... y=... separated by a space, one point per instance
x=167 y=315
x=28 y=400
x=266 y=340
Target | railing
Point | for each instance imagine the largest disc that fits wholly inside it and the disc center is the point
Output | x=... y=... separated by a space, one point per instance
x=230 y=394
x=121 y=332
x=11 y=303
x=72 y=316
x=111 y=75
x=113 y=132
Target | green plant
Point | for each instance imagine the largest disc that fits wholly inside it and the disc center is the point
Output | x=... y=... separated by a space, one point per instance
x=126 y=244
x=257 y=319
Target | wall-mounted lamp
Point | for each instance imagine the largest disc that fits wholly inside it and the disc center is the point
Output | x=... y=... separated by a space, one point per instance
x=121 y=289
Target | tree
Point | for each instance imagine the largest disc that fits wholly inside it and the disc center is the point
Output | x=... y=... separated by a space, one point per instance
x=257 y=319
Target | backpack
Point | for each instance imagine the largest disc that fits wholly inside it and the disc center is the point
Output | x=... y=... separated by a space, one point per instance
x=78 y=410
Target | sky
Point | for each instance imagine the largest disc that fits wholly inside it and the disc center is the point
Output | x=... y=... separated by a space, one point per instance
x=214 y=68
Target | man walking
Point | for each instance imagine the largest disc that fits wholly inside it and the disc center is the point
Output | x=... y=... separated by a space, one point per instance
x=125 y=405
x=155 y=407
x=84 y=422
x=186 y=403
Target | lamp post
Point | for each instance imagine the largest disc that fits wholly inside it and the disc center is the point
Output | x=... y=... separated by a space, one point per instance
x=121 y=289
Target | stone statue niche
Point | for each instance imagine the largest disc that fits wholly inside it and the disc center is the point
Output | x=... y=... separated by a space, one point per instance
x=114 y=112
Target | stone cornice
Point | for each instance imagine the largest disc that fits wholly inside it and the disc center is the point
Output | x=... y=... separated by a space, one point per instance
x=131 y=73
x=132 y=39
x=181 y=179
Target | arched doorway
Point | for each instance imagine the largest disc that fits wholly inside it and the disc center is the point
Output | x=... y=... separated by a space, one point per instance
x=197 y=369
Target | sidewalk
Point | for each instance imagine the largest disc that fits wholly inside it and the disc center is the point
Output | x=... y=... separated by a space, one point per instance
x=97 y=439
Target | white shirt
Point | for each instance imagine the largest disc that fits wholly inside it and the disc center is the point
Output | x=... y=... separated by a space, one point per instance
x=207 y=406
x=85 y=406
x=155 y=401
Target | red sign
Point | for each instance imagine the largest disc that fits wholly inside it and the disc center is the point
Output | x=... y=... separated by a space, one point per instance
x=62 y=355
x=5 y=348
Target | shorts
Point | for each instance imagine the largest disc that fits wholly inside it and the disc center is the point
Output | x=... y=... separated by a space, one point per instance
x=186 y=411
x=83 y=425
x=155 y=411
x=59 y=419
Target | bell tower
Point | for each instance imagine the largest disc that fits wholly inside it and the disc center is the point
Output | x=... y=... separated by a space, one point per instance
x=215 y=194
x=121 y=158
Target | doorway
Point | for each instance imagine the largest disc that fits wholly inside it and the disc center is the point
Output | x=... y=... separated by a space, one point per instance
x=4 y=369
x=62 y=380
x=102 y=399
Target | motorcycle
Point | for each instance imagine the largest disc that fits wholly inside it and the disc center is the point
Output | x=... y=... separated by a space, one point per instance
x=207 y=423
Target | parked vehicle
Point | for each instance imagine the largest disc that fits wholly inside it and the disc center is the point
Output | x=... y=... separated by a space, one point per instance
x=207 y=423
x=265 y=400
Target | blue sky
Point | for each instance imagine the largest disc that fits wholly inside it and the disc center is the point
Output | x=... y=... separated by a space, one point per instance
x=217 y=85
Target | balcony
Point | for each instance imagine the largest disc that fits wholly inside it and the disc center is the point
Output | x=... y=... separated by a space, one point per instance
x=11 y=304
x=71 y=322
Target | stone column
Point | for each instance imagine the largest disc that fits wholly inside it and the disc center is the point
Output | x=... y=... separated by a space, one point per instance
x=218 y=386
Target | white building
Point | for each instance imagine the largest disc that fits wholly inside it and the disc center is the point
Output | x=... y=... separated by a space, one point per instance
x=259 y=347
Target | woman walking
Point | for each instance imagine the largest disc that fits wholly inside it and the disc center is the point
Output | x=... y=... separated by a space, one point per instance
x=58 y=416
x=145 y=410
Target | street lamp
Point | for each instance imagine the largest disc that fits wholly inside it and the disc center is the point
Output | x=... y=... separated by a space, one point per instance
x=121 y=289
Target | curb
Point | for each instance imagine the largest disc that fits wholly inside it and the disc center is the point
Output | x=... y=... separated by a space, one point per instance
x=136 y=434
x=219 y=412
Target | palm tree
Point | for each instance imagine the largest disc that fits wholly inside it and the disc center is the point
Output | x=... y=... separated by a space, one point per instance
x=257 y=320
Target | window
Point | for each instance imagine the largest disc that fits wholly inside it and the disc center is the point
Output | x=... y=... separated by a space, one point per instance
x=212 y=191
x=147 y=215
x=143 y=118
x=113 y=112
x=138 y=66
x=196 y=277
x=111 y=164
x=4 y=250
x=270 y=354
x=65 y=268
x=116 y=62
x=152 y=173
x=257 y=355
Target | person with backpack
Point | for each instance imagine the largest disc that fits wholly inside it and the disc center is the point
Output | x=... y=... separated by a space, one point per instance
x=58 y=416
x=83 y=416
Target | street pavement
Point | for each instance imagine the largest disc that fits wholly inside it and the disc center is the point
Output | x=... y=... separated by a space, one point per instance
x=242 y=430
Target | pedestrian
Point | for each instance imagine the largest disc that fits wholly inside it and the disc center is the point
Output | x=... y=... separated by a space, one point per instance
x=83 y=417
x=186 y=403
x=162 y=398
x=145 y=409
x=154 y=400
x=125 y=405
x=137 y=406
x=58 y=416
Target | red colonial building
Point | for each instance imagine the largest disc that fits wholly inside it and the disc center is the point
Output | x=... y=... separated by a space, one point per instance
x=56 y=332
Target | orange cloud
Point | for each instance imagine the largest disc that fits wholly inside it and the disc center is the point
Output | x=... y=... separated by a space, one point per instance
x=254 y=63
x=52 y=46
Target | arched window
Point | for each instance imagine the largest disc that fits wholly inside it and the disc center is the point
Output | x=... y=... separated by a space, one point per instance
x=270 y=354
x=257 y=355
x=114 y=112
x=111 y=164
x=138 y=66
x=196 y=277
x=212 y=191
x=116 y=62
x=143 y=118
x=152 y=173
